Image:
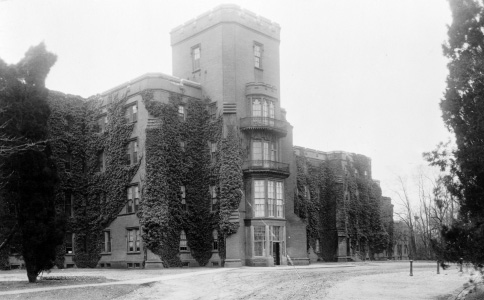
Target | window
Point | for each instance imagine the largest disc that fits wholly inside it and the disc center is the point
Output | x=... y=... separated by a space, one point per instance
x=262 y=107
x=133 y=199
x=132 y=113
x=181 y=112
x=68 y=161
x=279 y=200
x=263 y=111
x=183 y=197
x=196 y=58
x=133 y=240
x=307 y=194
x=132 y=152
x=215 y=240
x=259 y=198
x=183 y=241
x=213 y=151
x=270 y=193
x=213 y=196
x=101 y=162
x=271 y=198
x=258 y=55
x=69 y=242
x=263 y=152
x=68 y=203
x=259 y=240
x=102 y=123
x=106 y=241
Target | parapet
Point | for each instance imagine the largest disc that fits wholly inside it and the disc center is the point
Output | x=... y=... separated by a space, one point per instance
x=259 y=88
x=226 y=13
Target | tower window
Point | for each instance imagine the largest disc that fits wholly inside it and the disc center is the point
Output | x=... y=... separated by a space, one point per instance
x=258 y=55
x=196 y=58
x=268 y=199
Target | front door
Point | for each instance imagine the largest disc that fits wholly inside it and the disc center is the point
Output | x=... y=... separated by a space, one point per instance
x=276 y=253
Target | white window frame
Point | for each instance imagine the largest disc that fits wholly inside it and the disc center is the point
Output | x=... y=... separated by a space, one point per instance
x=268 y=198
x=259 y=240
x=133 y=196
x=258 y=50
x=196 y=55
x=133 y=239
x=106 y=241
x=183 y=242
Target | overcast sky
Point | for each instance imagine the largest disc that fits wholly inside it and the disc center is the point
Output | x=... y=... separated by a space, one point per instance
x=362 y=76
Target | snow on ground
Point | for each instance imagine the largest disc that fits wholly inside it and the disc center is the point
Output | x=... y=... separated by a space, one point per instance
x=424 y=284
x=367 y=280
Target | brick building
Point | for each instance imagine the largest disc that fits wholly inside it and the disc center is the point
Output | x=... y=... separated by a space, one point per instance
x=231 y=57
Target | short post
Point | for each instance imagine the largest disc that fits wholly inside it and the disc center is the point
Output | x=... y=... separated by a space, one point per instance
x=438 y=267
x=411 y=267
x=461 y=262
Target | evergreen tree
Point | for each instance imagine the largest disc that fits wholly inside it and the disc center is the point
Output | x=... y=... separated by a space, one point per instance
x=463 y=114
x=29 y=174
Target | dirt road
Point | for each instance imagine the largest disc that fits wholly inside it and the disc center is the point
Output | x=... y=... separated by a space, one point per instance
x=349 y=281
x=389 y=280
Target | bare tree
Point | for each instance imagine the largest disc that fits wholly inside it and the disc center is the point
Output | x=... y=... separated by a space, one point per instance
x=406 y=215
x=425 y=208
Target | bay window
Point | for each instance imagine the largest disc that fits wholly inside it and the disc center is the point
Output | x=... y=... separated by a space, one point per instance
x=268 y=193
x=263 y=108
x=264 y=151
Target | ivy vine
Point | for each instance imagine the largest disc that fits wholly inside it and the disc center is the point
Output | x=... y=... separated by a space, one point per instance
x=98 y=197
x=320 y=201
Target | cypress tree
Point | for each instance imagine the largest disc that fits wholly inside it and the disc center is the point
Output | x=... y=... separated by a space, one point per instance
x=29 y=174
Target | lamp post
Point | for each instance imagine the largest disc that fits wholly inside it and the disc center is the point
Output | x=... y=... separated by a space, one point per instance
x=411 y=267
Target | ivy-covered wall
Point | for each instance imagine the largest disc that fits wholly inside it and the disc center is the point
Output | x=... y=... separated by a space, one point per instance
x=169 y=165
x=334 y=196
x=98 y=191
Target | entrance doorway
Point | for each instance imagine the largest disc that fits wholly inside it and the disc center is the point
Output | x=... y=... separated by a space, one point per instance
x=276 y=253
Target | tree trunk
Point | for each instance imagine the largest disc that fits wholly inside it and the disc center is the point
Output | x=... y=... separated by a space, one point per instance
x=32 y=276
